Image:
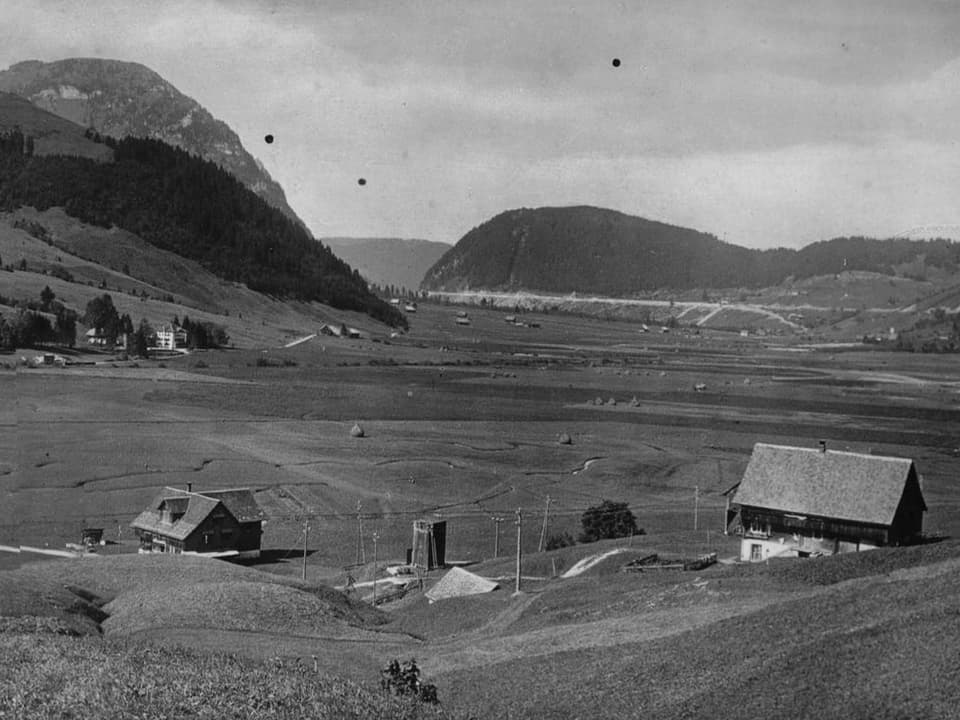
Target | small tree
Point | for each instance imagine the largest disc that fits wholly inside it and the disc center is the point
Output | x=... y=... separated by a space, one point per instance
x=47 y=296
x=608 y=520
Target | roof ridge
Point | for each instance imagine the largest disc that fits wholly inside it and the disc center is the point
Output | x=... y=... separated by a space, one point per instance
x=820 y=451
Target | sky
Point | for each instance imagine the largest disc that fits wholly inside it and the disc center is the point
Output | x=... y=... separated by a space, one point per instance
x=765 y=123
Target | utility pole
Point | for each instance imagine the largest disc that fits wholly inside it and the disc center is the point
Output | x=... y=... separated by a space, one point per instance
x=543 y=530
x=306 y=532
x=376 y=536
x=519 y=528
x=496 y=538
x=696 y=507
x=361 y=555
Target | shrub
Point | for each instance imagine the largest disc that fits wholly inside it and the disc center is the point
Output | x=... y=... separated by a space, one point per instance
x=404 y=679
x=560 y=540
x=608 y=520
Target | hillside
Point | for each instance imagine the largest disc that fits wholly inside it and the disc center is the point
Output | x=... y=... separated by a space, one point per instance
x=593 y=250
x=185 y=205
x=389 y=262
x=123 y=99
x=52 y=135
x=52 y=614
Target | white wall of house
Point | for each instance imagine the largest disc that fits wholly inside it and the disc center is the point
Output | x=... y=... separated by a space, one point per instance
x=758 y=549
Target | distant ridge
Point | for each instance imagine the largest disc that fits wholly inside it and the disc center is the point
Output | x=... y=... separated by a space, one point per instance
x=389 y=262
x=595 y=250
x=925 y=232
x=122 y=99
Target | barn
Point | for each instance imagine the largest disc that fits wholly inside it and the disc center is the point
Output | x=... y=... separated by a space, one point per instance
x=216 y=522
x=802 y=502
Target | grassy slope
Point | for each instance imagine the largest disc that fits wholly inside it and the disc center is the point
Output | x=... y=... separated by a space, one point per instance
x=53 y=134
x=160 y=591
x=880 y=646
x=50 y=676
x=251 y=319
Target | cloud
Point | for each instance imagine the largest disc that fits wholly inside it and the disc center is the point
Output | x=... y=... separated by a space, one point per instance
x=771 y=123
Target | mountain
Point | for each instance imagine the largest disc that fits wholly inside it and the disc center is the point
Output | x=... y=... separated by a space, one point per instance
x=594 y=250
x=123 y=99
x=389 y=261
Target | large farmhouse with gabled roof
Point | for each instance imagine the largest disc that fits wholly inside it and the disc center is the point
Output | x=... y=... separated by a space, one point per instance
x=214 y=522
x=798 y=502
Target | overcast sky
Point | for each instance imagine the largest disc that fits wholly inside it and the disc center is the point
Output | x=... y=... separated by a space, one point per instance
x=766 y=123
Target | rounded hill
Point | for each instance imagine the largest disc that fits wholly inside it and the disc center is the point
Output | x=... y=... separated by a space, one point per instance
x=586 y=249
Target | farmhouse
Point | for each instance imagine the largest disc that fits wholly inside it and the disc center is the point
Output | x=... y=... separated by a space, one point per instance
x=171 y=337
x=799 y=502
x=222 y=522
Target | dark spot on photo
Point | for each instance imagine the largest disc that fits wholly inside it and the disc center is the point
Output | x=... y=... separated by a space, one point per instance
x=362 y=181
x=268 y=139
x=616 y=62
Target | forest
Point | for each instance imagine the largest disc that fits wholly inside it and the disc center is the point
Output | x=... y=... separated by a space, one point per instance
x=190 y=206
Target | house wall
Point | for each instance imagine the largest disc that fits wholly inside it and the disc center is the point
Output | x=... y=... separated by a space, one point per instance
x=772 y=522
x=768 y=533
x=218 y=532
x=908 y=520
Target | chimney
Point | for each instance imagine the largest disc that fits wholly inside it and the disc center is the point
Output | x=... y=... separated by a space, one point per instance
x=823 y=446
x=190 y=484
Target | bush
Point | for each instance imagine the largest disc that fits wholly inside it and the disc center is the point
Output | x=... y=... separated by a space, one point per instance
x=560 y=540
x=608 y=520
x=404 y=679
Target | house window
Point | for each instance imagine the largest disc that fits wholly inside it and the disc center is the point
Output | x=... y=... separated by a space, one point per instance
x=755 y=551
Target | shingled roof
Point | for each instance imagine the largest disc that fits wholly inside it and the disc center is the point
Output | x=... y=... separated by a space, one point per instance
x=196 y=507
x=833 y=484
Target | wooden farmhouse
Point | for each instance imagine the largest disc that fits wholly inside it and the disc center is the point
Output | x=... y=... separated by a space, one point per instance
x=801 y=502
x=224 y=523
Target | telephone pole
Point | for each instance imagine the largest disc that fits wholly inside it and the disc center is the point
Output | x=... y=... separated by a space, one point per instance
x=696 y=507
x=361 y=555
x=496 y=538
x=306 y=532
x=519 y=528
x=376 y=536
x=543 y=530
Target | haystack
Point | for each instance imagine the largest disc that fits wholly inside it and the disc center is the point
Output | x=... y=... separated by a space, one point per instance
x=459 y=583
x=565 y=439
x=356 y=431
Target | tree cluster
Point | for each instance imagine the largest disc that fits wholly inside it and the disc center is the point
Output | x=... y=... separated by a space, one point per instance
x=608 y=520
x=192 y=207
x=32 y=327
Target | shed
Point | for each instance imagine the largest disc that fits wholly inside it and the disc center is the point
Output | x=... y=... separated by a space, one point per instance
x=429 y=543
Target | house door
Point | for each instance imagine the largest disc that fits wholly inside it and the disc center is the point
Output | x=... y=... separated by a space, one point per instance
x=755 y=552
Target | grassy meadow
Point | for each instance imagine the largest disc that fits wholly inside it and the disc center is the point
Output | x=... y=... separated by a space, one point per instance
x=462 y=423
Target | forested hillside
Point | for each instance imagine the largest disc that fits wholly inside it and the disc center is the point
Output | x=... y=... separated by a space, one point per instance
x=189 y=206
x=124 y=99
x=587 y=249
